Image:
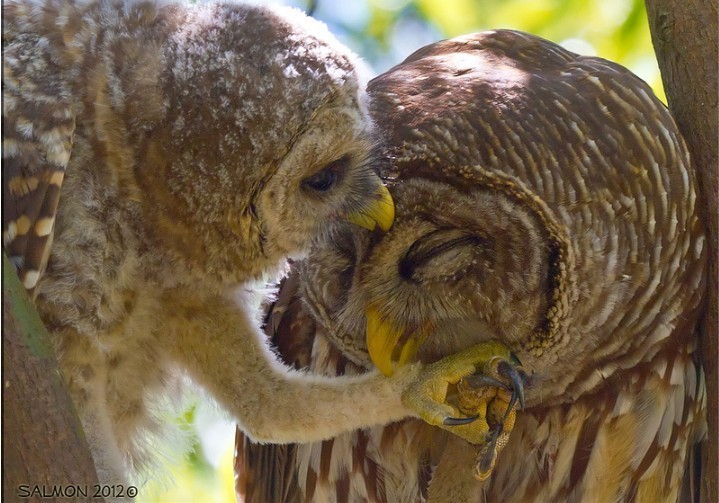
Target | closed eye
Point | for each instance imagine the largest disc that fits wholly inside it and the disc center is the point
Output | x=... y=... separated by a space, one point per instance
x=328 y=177
x=431 y=246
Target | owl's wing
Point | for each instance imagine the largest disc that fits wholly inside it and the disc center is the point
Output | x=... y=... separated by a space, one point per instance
x=38 y=126
x=266 y=473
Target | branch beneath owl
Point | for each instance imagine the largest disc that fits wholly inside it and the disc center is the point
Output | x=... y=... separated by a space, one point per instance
x=44 y=444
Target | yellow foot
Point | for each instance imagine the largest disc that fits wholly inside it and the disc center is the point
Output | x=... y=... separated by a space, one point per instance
x=493 y=395
x=489 y=384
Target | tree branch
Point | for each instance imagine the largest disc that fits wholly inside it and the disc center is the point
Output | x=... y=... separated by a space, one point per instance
x=684 y=35
x=45 y=450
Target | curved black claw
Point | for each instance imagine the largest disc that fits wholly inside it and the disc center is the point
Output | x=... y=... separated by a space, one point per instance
x=458 y=421
x=518 y=379
x=487 y=453
x=514 y=359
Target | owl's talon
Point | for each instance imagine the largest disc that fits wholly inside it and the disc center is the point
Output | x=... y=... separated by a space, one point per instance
x=493 y=392
x=428 y=394
x=458 y=421
x=518 y=379
x=514 y=360
x=487 y=453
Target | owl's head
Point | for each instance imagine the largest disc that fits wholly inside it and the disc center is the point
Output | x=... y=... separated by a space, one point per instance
x=530 y=184
x=461 y=264
x=265 y=140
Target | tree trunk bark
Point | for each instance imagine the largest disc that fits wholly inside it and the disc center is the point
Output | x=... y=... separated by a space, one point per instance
x=684 y=34
x=45 y=455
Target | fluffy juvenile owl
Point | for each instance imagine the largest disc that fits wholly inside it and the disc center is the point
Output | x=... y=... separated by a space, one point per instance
x=157 y=159
x=543 y=199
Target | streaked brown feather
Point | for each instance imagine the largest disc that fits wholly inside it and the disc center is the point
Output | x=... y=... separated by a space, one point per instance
x=38 y=128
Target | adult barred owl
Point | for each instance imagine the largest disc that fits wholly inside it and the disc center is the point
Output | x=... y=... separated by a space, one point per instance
x=159 y=158
x=545 y=200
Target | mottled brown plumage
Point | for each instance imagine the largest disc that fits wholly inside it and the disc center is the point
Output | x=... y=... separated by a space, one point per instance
x=178 y=154
x=547 y=200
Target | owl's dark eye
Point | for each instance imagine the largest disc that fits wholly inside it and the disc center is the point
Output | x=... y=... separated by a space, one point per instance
x=322 y=181
x=327 y=177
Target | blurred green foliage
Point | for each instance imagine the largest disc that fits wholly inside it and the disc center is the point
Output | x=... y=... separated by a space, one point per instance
x=384 y=32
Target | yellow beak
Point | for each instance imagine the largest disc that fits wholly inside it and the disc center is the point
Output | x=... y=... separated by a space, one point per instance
x=384 y=341
x=380 y=212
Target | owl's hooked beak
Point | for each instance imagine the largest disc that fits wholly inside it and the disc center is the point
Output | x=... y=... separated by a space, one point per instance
x=388 y=342
x=380 y=212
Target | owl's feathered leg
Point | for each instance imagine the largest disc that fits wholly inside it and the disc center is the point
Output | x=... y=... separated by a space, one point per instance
x=226 y=353
x=97 y=426
x=83 y=367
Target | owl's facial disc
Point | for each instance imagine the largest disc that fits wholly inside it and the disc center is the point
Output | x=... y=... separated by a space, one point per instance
x=378 y=212
x=432 y=257
x=388 y=342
